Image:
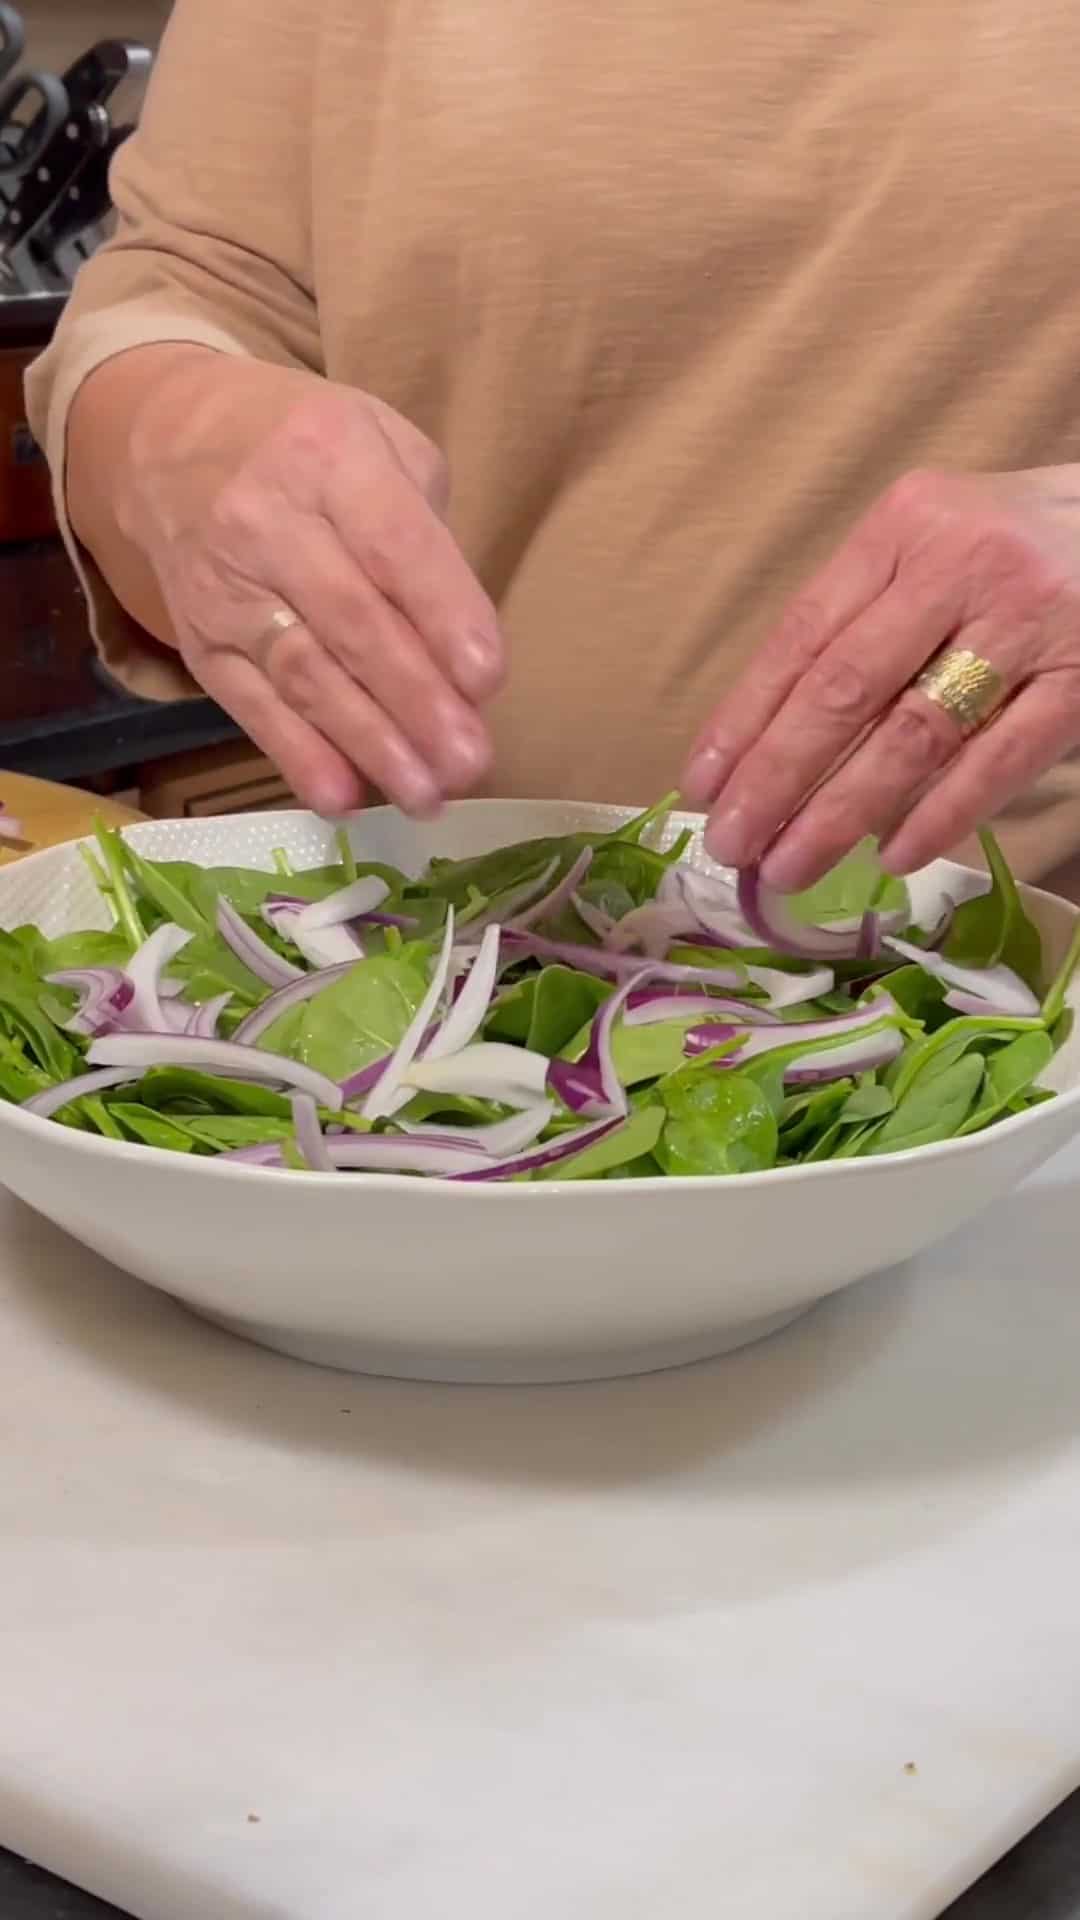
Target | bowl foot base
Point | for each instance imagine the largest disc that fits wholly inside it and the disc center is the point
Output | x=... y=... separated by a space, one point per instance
x=499 y=1367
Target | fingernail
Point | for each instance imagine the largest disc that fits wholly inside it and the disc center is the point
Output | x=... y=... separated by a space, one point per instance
x=418 y=792
x=726 y=837
x=704 y=776
x=479 y=663
x=467 y=753
x=788 y=869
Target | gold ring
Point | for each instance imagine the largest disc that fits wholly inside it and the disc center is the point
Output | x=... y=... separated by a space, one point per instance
x=282 y=620
x=965 y=687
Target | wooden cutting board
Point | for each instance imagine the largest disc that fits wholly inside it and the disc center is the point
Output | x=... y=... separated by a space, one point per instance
x=50 y=813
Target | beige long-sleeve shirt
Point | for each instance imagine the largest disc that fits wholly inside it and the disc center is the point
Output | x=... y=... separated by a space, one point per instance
x=678 y=285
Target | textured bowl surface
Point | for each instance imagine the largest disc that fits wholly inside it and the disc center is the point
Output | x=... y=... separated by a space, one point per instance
x=429 y=1280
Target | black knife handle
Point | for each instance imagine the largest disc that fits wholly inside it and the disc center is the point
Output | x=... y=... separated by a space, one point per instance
x=95 y=77
x=83 y=204
x=12 y=39
x=81 y=135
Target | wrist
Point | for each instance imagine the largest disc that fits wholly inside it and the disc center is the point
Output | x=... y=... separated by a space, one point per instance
x=168 y=404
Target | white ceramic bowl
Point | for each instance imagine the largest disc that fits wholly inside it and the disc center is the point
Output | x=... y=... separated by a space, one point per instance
x=425 y=1279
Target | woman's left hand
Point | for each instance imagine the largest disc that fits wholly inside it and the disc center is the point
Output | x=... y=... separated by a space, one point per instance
x=827 y=737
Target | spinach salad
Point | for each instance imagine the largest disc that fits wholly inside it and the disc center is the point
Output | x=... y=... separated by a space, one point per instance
x=581 y=1007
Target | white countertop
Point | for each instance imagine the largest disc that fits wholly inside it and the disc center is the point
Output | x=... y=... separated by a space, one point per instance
x=280 y=1644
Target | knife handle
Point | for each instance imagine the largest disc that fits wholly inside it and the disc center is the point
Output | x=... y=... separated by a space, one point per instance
x=23 y=140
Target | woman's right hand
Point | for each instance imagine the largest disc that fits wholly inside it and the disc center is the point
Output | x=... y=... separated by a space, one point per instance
x=256 y=493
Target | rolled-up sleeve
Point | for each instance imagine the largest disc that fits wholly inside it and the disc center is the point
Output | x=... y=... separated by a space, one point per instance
x=212 y=247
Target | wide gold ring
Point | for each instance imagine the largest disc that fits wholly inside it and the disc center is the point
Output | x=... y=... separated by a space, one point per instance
x=965 y=687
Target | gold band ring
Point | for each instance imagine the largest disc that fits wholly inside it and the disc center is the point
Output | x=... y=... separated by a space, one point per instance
x=282 y=620
x=965 y=687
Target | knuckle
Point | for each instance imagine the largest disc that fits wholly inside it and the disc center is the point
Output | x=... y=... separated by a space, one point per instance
x=802 y=633
x=917 y=493
x=841 y=688
x=919 y=738
x=238 y=517
x=292 y=664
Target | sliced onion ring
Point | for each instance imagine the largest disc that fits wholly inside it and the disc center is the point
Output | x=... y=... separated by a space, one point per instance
x=388 y=1092
x=309 y=984
x=310 y=1140
x=358 y=899
x=549 y=1155
x=469 y=1010
x=143 y=1050
x=50 y=1102
x=770 y=916
x=261 y=960
x=999 y=989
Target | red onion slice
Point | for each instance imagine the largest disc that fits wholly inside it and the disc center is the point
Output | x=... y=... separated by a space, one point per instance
x=260 y=959
x=871 y=1045
x=598 y=1054
x=503 y=907
x=143 y=1050
x=10 y=827
x=309 y=984
x=403 y=1153
x=595 y=918
x=998 y=989
x=47 y=1103
x=612 y=966
x=267 y=1154
x=105 y=993
x=360 y=897
x=792 y=989
x=547 y=1156
x=770 y=916
x=652 y=927
x=389 y=1092
x=488 y=1070
x=500 y=1138
x=203 y=1021
x=469 y=1009
x=646 y=1007
x=321 y=947
x=311 y=1144
x=712 y=900
x=577 y=1084
x=145 y=1012
x=552 y=903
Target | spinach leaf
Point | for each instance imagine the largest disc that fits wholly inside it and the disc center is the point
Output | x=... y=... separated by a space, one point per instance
x=934 y=1108
x=152 y=1129
x=919 y=994
x=20 y=1076
x=858 y=884
x=1055 y=1003
x=803 y=1115
x=993 y=928
x=1009 y=1073
x=22 y=1017
x=717 y=1123
x=928 y=1058
x=546 y=1010
x=182 y=1089
x=619 y=1149
x=871 y=1101
x=355 y=1021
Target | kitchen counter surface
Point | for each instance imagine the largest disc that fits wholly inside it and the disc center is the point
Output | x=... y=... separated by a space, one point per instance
x=1040 y=1880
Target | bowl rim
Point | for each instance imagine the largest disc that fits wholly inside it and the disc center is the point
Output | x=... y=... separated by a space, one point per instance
x=497 y=1192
